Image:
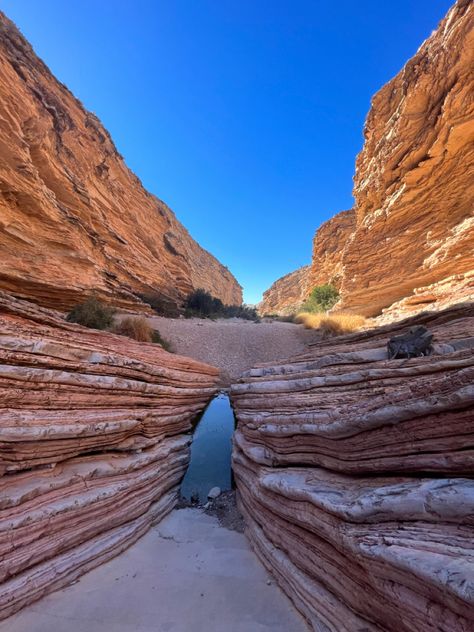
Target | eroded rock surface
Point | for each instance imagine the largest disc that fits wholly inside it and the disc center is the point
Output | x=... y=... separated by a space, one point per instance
x=286 y=293
x=413 y=187
x=93 y=445
x=355 y=476
x=73 y=217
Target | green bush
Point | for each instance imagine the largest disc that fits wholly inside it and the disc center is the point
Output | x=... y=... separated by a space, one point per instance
x=321 y=299
x=92 y=313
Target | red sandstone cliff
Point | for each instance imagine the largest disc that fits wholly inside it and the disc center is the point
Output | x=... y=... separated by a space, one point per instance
x=73 y=217
x=414 y=182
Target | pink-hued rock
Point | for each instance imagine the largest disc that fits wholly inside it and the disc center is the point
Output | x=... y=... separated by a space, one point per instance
x=92 y=445
x=355 y=473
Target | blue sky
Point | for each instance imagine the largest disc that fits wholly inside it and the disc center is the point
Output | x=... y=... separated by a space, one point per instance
x=244 y=116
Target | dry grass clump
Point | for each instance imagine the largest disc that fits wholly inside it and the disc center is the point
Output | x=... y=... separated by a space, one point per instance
x=138 y=329
x=135 y=328
x=332 y=324
x=309 y=320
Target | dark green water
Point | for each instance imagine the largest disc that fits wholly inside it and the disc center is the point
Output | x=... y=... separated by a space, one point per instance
x=211 y=450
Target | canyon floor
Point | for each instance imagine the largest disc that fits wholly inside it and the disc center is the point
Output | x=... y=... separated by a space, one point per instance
x=187 y=573
x=233 y=345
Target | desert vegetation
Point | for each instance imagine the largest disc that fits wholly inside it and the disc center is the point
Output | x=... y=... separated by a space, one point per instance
x=202 y=304
x=331 y=324
x=95 y=314
x=92 y=313
x=321 y=299
x=137 y=328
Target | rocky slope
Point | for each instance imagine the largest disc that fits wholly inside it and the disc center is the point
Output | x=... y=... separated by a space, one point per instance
x=413 y=185
x=93 y=445
x=73 y=217
x=354 y=474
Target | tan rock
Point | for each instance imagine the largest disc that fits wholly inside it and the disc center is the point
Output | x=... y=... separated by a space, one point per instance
x=73 y=217
x=413 y=185
x=286 y=294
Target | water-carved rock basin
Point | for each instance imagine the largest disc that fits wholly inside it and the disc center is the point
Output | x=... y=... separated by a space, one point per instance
x=211 y=450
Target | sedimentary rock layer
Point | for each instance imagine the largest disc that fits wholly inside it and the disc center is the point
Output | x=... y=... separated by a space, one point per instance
x=328 y=247
x=412 y=223
x=355 y=475
x=286 y=293
x=73 y=217
x=92 y=445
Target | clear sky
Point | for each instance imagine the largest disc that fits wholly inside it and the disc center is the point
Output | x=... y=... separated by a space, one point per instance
x=244 y=116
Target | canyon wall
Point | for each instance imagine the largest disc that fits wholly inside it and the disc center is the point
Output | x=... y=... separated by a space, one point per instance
x=413 y=186
x=286 y=292
x=93 y=445
x=354 y=474
x=73 y=217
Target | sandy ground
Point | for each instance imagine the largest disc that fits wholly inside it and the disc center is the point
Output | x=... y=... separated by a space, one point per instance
x=233 y=345
x=187 y=574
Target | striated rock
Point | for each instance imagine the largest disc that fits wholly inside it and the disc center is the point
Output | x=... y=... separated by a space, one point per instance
x=328 y=247
x=354 y=474
x=457 y=288
x=92 y=445
x=73 y=217
x=286 y=293
x=413 y=185
x=413 y=223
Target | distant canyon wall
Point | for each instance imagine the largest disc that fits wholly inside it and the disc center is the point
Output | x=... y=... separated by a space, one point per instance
x=412 y=225
x=73 y=217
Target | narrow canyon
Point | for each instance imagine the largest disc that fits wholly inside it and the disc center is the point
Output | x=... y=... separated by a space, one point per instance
x=352 y=468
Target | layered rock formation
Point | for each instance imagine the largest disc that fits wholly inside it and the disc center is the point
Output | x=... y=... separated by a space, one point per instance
x=459 y=287
x=413 y=186
x=73 y=217
x=286 y=292
x=93 y=445
x=355 y=476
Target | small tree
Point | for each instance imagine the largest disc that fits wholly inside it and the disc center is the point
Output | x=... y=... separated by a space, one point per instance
x=321 y=299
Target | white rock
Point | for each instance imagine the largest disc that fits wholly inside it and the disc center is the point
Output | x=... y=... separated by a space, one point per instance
x=214 y=493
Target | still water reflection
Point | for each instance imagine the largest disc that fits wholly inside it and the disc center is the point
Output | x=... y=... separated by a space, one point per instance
x=211 y=450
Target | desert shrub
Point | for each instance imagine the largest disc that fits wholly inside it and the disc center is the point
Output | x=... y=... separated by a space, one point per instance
x=321 y=298
x=332 y=324
x=139 y=329
x=92 y=313
x=159 y=340
x=136 y=328
x=247 y=312
x=201 y=303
